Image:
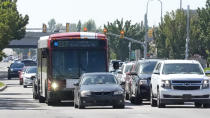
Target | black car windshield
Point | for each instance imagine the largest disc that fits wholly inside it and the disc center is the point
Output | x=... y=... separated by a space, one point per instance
x=98 y=79
x=147 y=67
x=29 y=63
x=17 y=65
x=182 y=68
x=71 y=63
x=32 y=70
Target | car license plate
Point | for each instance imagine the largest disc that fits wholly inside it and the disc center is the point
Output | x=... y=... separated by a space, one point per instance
x=70 y=83
x=187 y=96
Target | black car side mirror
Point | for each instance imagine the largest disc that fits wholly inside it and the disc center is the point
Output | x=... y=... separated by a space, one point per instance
x=76 y=84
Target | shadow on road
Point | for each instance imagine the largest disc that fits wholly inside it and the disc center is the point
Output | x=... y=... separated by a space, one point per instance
x=18 y=104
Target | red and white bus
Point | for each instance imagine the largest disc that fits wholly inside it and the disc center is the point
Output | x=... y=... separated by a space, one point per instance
x=63 y=57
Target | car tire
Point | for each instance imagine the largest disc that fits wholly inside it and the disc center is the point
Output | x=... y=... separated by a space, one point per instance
x=9 y=78
x=41 y=99
x=122 y=106
x=24 y=86
x=153 y=102
x=126 y=96
x=159 y=104
x=198 y=105
x=206 y=105
x=80 y=105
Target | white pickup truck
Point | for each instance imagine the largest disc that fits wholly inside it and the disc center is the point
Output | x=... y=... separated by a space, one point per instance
x=179 y=81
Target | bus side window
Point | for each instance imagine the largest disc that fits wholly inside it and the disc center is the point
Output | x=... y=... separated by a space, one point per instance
x=44 y=53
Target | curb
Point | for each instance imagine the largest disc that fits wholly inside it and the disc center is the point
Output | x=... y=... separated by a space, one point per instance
x=2 y=88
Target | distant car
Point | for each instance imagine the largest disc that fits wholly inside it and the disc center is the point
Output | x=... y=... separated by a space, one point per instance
x=98 y=89
x=27 y=76
x=13 y=70
x=140 y=82
x=29 y=62
x=179 y=81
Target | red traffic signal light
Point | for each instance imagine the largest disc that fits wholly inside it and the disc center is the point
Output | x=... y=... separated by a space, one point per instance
x=122 y=34
x=85 y=29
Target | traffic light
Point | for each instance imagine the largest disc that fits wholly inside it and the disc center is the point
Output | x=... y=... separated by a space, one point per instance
x=122 y=33
x=44 y=28
x=85 y=29
x=150 y=33
x=67 y=27
x=105 y=31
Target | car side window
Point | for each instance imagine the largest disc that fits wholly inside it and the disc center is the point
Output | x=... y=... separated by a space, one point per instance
x=157 y=68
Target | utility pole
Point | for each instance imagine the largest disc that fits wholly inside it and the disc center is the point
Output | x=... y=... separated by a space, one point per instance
x=145 y=38
x=129 y=47
x=180 y=4
x=188 y=35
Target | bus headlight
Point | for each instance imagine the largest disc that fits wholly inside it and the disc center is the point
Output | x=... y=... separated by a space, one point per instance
x=54 y=85
x=85 y=93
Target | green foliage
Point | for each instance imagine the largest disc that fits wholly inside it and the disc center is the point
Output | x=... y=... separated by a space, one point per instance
x=79 y=26
x=90 y=25
x=12 y=24
x=170 y=36
x=120 y=46
x=51 y=25
x=1 y=84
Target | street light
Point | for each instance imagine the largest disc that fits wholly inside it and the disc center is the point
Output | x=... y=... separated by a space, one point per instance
x=146 y=27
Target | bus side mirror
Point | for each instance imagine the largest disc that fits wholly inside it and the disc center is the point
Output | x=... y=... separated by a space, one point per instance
x=44 y=53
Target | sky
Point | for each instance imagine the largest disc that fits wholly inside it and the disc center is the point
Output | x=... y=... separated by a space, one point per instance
x=102 y=11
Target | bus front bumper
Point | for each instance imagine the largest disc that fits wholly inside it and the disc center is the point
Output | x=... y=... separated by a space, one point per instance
x=67 y=94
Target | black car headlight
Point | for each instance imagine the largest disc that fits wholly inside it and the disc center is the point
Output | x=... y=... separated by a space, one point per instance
x=118 y=92
x=85 y=93
x=205 y=84
x=166 y=84
x=143 y=82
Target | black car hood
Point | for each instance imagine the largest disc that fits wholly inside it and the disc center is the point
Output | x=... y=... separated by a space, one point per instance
x=101 y=87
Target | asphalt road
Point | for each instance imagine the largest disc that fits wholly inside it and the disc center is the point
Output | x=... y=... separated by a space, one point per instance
x=17 y=102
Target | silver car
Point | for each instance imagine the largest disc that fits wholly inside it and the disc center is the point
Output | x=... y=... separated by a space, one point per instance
x=28 y=76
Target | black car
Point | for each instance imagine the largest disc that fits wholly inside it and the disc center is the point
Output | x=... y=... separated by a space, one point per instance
x=13 y=69
x=98 y=89
x=140 y=81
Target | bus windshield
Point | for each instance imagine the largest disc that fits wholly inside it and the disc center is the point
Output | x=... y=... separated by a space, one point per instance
x=71 y=63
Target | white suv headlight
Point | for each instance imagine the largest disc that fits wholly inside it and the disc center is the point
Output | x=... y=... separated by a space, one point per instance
x=166 y=84
x=205 y=84
x=85 y=93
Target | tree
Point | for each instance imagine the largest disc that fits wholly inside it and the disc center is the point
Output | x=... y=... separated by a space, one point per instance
x=120 y=46
x=73 y=27
x=52 y=25
x=90 y=25
x=12 y=24
x=201 y=32
x=170 y=36
x=79 y=26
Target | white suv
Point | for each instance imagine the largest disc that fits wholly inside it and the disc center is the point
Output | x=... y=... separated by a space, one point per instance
x=179 y=81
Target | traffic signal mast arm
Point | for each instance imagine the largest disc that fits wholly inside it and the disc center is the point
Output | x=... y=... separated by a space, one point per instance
x=127 y=38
